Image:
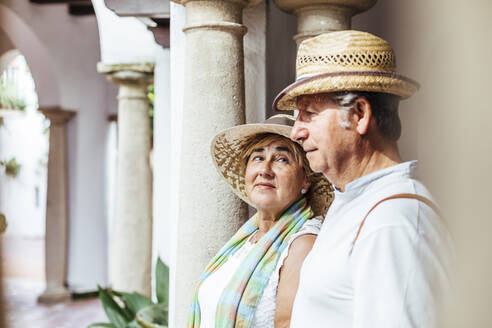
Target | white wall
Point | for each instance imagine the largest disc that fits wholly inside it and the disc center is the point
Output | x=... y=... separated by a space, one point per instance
x=177 y=53
x=122 y=39
x=23 y=198
x=62 y=52
x=163 y=157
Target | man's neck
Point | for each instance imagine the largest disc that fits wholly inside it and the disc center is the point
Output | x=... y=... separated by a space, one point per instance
x=365 y=163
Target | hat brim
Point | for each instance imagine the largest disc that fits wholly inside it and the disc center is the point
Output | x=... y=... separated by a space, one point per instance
x=370 y=81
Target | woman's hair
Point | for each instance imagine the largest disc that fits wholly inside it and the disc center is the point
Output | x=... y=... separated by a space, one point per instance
x=264 y=139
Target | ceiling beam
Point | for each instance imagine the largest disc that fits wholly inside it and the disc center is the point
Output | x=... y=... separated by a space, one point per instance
x=45 y=2
x=75 y=7
x=81 y=9
x=139 y=8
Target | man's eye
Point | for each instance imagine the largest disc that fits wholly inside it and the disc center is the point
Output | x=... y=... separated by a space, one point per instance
x=306 y=115
x=283 y=159
x=257 y=158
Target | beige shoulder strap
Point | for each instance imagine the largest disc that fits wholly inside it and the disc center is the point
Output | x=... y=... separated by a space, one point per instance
x=425 y=200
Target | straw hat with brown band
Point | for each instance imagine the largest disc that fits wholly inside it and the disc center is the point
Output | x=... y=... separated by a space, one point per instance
x=345 y=61
x=228 y=145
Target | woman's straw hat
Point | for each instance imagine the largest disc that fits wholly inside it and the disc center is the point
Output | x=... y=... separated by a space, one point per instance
x=228 y=145
x=345 y=61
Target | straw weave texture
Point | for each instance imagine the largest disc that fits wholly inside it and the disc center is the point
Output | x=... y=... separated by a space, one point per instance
x=345 y=61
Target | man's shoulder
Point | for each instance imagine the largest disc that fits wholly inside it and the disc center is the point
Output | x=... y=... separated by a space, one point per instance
x=403 y=212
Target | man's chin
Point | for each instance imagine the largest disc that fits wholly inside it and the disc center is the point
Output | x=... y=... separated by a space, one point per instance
x=315 y=165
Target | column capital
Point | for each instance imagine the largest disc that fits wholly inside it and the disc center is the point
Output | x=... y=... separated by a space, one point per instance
x=128 y=73
x=356 y=5
x=219 y=15
x=57 y=115
x=244 y=2
x=321 y=16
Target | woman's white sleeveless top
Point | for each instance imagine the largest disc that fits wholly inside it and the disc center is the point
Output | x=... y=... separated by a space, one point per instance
x=211 y=289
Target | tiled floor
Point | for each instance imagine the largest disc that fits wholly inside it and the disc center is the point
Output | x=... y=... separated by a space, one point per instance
x=24 y=280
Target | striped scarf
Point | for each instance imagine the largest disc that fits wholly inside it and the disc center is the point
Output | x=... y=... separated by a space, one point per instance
x=237 y=304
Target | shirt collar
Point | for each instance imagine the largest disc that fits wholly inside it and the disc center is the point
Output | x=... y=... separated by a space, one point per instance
x=357 y=186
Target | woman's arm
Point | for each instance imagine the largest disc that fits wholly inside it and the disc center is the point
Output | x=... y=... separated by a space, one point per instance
x=289 y=278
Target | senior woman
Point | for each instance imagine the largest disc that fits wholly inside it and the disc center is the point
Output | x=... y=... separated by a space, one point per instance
x=253 y=279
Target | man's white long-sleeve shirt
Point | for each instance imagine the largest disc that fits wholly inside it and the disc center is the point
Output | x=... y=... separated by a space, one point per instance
x=398 y=274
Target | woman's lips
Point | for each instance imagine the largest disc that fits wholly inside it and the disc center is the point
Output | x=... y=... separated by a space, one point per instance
x=264 y=185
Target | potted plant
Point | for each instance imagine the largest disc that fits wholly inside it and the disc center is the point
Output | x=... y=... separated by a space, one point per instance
x=134 y=310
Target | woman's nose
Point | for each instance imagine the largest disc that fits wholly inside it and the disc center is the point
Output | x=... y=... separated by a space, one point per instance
x=266 y=170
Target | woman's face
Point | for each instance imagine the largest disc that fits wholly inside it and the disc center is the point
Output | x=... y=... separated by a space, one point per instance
x=273 y=178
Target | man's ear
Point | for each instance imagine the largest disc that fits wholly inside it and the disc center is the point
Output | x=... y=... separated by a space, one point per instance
x=362 y=112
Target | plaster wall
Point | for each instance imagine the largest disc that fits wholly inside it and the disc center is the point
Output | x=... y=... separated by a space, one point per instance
x=62 y=52
x=163 y=156
x=280 y=51
x=255 y=19
x=122 y=39
x=177 y=53
x=452 y=61
x=5 y=45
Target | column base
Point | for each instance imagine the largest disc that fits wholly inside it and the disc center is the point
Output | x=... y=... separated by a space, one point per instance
x=57 y=295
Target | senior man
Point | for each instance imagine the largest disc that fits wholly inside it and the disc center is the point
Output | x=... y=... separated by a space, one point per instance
x=382 y=258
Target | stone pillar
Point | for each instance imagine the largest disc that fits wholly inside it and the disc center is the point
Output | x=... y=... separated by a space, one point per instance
x=131 y=235
x=320 y=16
x=56 y=239
x=209 y=213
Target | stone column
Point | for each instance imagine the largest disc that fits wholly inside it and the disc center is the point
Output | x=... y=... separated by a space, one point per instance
x=56 y=239
x=209 y=213
x=320 y=16
x=131 y=235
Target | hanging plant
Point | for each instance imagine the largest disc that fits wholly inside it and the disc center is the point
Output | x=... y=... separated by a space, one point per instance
x=9 y=98
x=12 y=168
x=3 y=223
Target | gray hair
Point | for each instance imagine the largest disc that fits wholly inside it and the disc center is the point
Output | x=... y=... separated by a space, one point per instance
x=384 y=108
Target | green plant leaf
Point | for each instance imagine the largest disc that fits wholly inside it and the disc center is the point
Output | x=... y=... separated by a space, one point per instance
x=133 y=324
x=162 y=281
x=135 y=301
x=117 y=315
x=101 y=324
x=153 y=316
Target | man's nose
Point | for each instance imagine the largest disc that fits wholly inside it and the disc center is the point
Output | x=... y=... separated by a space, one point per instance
x=299 y=132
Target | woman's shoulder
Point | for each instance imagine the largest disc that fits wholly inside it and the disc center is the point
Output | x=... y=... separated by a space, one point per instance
x=304 y=238
x=311 y=226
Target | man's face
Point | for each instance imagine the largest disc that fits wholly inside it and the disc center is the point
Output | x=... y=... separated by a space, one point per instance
x=326 y=142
